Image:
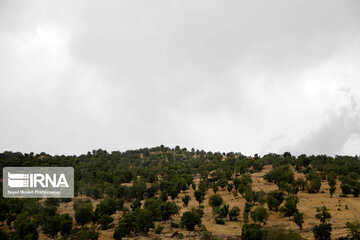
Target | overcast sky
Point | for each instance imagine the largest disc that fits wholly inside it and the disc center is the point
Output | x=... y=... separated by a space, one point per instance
x=244 y=76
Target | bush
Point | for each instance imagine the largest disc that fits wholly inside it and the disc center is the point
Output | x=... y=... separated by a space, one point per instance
x=260 y=215
x=299 y=219
x=121 y=230
x=322 y=231
x=234 y=213
x=353 y=229
x=186 y=200
x=274 y=200
x=275 y=233
x=219 y=221
x=143 y=220
x=153 y=205
x=51 y=225
x=158 y=229
x=174 y=225
x=167 y=209
x=108 y=206
x=289 y=208
x=105 y=220
x=215 y=200
x=84 y=233
x=190 y=219
x=83 y=211
x=199 y=196
x=323 y=214
x=251 y=232
x=315 y=182
x=65 y=224
x=25 y=227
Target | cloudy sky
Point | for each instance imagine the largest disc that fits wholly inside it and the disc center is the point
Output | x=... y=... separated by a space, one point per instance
x=245 y=76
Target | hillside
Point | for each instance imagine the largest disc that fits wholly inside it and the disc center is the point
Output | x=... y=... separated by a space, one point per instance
x=133 y=179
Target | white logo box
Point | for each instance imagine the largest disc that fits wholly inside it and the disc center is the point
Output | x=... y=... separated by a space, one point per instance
x=38 y=182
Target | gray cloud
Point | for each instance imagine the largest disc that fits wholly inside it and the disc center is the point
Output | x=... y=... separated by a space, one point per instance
x=221 y=76
x=334 y=134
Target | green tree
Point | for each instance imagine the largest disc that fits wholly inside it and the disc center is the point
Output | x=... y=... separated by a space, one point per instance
x=353 y=229
x=251 y=232
x=215 y=200
x=299 y=219
x=66 y=222
x=84 y=233
x=322 y=231
x=83 y=211
x=215 y=187
x=236 y=182
x=107 y=206
x=105 y=220
x=260 y=215
x=153 y=205
x=276 y=233
x=223 y=183
x=190 y=219
x=315 y=182
x=332 y=190
x=289 y=208
x=247 y=210
x=135 y=205
x=167 y=209
x=51 y=225
x=186 y=200
x=164 y=196
x=25 y=227
x=143 y=220
x=345 y=188
x=199 y=196
x=274 y=200
x=230 y=187
x=234 y=213
x=323 y=214
x=125 y=226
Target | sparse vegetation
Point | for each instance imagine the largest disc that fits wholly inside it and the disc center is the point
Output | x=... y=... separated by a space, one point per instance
x=138 y=192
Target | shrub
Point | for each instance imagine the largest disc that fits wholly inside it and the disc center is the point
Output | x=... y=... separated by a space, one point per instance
x=219 y=221
x=174 y=225
x=143 y=220
x=186 y=200
x=105 y=220
x=259 y=214
x=84 y=233
x=199 y=196
x=251 y=232
x=353 y=229
x=323 y=214
x=66 y=222
x=167 y=209
x=234 y=213
x=153 y=205
x=215 y=200
x=108 y=206
x=276 y=233
x=322 y=231
x=83 y=211
x=299 y=219
x=158 y=229
x=190 y=219
x=274 y=200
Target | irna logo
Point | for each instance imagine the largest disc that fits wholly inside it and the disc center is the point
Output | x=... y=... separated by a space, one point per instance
x=16 y=180
x=38 y=182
